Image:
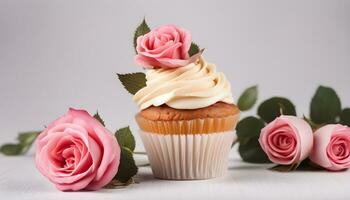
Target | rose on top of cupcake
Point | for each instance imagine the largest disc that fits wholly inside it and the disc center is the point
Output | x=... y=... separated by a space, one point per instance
x=168 y=46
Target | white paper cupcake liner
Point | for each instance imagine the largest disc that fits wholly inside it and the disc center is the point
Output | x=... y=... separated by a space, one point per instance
x=188 y=157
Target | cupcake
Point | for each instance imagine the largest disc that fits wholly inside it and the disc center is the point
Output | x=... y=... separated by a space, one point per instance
x=187 y=114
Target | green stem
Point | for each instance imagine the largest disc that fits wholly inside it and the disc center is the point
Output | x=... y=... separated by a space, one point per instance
x=140 y=153
x=144 y=165
x=235 y=142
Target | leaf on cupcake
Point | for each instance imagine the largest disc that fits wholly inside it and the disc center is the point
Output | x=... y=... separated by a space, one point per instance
x=194 y=49
x=133 y=82
x=142 y=29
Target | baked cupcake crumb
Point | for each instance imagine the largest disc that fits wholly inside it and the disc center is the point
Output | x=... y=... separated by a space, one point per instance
x=166 y=113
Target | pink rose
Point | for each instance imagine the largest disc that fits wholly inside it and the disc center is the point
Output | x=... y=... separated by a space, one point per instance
x=332 y=147
x=165 y=47
x=287 y=140
x=77 y=152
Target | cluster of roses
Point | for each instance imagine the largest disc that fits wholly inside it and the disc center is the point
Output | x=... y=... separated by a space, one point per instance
x=289 y=140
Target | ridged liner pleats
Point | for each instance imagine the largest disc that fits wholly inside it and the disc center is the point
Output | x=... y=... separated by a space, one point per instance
x=184 y=157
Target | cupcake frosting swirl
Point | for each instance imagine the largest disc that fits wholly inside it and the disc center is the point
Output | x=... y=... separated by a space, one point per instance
x=196 y=85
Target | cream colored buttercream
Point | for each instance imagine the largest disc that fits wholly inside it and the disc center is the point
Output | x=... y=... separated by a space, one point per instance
x=193 y=86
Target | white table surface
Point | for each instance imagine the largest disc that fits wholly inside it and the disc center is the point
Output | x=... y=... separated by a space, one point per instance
x=19 y=179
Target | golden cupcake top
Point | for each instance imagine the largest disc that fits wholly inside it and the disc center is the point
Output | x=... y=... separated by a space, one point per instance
x=166 y=113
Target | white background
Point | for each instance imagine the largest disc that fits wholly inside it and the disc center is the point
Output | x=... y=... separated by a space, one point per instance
x=59 y=54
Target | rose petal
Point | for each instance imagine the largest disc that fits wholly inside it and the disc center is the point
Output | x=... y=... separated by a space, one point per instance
x=305 y=136
x=292 y=128
x=321 y=139
x=173 y=63
x=76 y=152
x=164 y=47
x=111 y=151
x=146 y=62
x=165 y=51
x=79 y=185
x=328 y=137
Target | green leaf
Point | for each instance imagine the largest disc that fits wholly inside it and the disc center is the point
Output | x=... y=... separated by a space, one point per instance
x=28 y=137
x=98 y=118
x=305 y=165
x=11 y=149
x=325 y=106
x=251 y=152
x=345 y=117
x=194 y=49
x=249 y=128
x=127 y=167
x=125 y=138
x=142 y=29
x=25 y=141
x=133 y=82
x=285 y=168
x=313 y=125
x=247 y=100
x=115 y=184
x=308 y=165
x=274 y=107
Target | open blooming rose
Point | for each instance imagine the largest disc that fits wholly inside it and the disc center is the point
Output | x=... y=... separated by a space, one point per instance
x=77 y=152
x=287 y=140
x=332 y=147
x=165 y=47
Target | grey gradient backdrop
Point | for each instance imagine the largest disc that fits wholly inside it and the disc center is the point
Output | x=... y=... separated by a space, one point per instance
x=60 y=54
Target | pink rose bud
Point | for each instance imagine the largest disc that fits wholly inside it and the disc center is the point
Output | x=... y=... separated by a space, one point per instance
x=332 y=147
x=77 y=152
x=165 y=47
x=287 y=140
